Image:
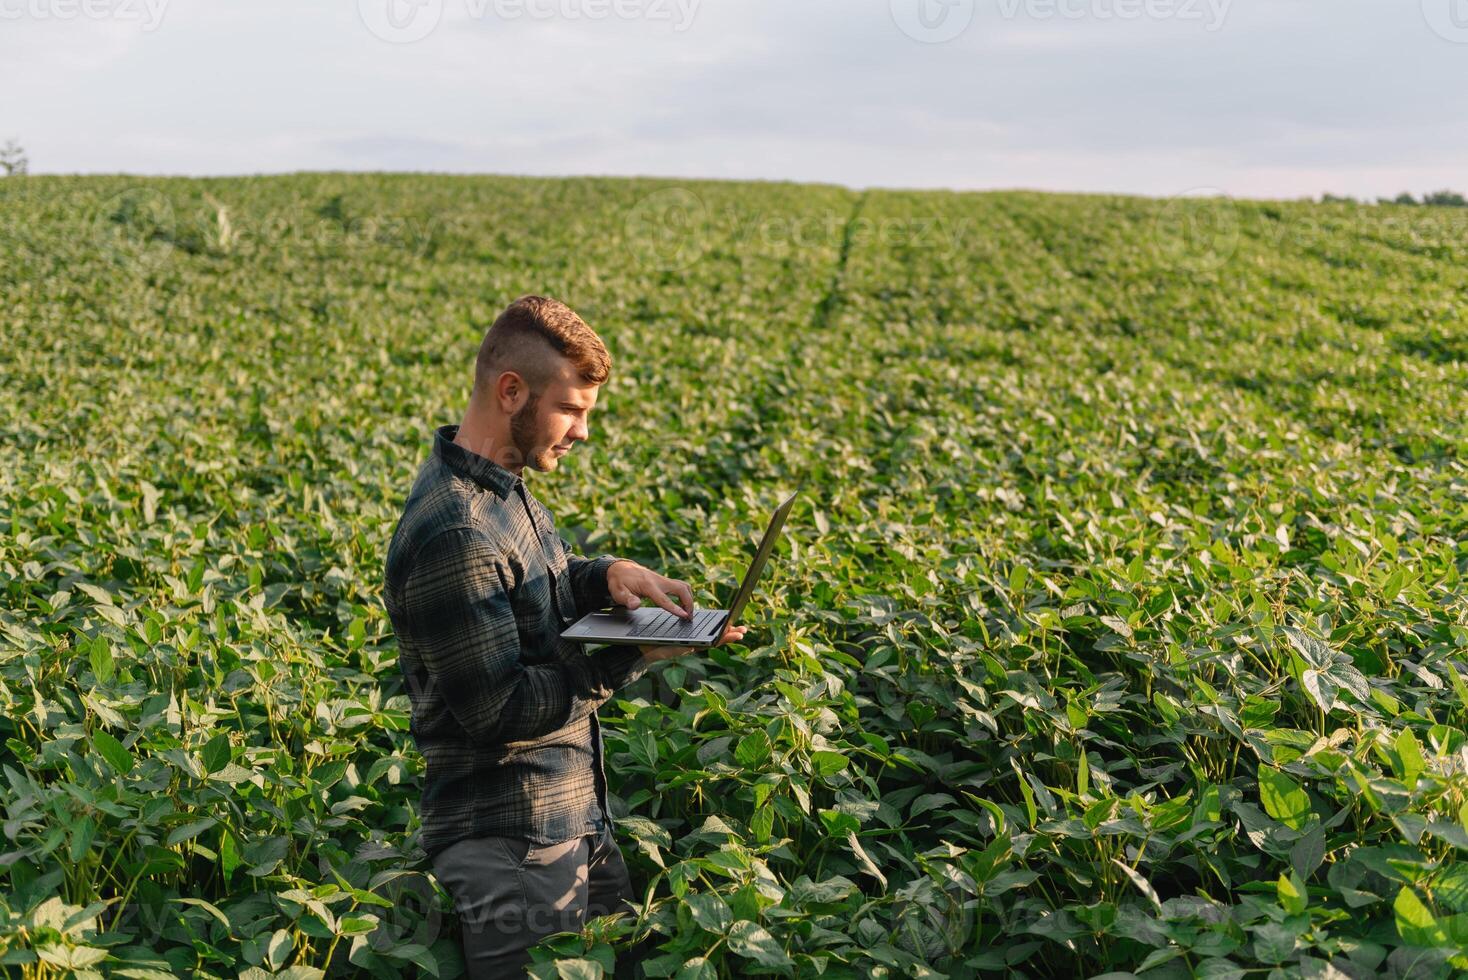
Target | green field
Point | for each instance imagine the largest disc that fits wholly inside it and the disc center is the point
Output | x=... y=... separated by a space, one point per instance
x=1121 y=627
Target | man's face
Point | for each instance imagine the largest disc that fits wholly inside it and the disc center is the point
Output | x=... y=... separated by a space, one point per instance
x=549 y=423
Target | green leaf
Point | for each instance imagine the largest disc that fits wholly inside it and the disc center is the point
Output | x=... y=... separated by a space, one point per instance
x=753 y=750
x=1410 y=754
x=1308 y=852
x=710 y=911
x=839 y=823
x=1031 y=812
x=579 y=969
x=150 y=501
x=263 y=856
x=1415 y=922
x=278 y=950
x=1321 y=688
x=1282 y=797
x=753 y=941
x=827 y=763
x=216 y=754
x=697 y=968
x=97 y=594
x=100 y=655
x=118 y=757
x=301 y=972
x=1451 y=888
x=229 y=854
x=863 y=859
x=415 y=953
x=1274 y=942
x=1314 y=652
x=208 y=907
x=355 y=925
x=1392 y=587
x=762 y=823
x=1143 y=885
x=1292 y=894
x=189 y=830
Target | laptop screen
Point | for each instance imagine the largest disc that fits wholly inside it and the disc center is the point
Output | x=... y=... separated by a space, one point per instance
x=772 y=534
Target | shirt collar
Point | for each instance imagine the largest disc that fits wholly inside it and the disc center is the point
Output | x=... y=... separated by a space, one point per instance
x=483 y=471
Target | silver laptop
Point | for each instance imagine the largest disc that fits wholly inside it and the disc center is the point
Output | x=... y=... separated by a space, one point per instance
x=649 y=623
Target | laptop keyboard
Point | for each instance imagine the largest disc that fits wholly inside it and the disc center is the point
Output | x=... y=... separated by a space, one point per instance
x=665 y=624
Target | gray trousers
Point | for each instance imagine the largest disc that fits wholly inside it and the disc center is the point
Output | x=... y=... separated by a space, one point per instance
x=511 y=893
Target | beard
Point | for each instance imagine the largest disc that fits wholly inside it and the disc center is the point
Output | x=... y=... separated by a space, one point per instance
x=524 y=434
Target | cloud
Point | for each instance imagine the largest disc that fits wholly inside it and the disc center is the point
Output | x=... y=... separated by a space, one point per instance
x=1285 y=97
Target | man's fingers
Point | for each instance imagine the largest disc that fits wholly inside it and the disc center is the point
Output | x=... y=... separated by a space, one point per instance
x=662 y=599
x=685 y=595
x=657 y=590
x=684 y=607
x=732 y=633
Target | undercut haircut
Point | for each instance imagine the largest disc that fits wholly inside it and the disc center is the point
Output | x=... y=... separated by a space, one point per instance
x=527 y=338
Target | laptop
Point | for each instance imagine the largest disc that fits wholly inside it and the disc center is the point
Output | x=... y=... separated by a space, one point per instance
x=651 y=624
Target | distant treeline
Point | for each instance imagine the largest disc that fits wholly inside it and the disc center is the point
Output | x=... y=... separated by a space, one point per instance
x=1440 y=199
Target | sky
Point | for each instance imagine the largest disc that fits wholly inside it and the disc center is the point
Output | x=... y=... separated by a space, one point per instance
x=1250 y=98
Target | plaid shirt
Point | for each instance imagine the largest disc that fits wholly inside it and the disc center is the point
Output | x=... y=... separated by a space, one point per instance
x=479 y=586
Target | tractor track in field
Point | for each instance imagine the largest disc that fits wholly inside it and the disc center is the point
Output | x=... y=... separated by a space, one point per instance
x=821 y=315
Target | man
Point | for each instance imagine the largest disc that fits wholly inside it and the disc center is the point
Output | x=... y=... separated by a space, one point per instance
x=479 y=586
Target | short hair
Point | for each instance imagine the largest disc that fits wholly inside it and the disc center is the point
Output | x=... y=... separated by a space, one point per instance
x=525 y=336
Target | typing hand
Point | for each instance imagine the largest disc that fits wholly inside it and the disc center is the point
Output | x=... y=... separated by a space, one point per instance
x=630 y=582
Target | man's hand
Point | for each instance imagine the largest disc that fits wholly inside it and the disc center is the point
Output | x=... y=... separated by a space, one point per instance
x=630 y=582
x=668 y=653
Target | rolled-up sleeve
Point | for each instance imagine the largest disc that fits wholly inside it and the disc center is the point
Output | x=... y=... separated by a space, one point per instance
x=460 y=621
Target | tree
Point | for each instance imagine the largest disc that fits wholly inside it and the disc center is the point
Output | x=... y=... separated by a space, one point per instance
x=1445 y=199
x=13 y=159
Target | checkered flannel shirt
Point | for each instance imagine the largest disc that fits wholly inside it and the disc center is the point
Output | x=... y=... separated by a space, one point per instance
x=479 y=587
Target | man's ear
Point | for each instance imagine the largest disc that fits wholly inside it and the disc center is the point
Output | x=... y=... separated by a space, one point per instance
x=510 y=392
